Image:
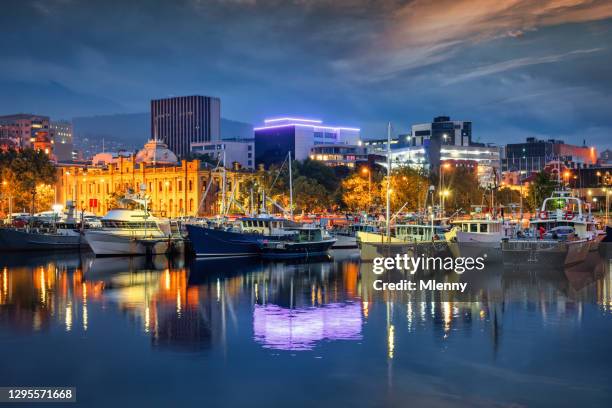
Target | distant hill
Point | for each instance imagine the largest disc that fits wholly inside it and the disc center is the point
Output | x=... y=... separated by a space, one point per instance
x=134 y=129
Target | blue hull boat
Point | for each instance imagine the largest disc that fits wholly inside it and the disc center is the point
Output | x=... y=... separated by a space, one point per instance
x=216 y=242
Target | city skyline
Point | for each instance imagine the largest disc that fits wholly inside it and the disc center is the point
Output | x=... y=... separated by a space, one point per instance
x=515 y=69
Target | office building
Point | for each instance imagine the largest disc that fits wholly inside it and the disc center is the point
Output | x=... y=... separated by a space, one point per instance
x=279 y=136
x=23 y=128
x=61 y=135
x=534 y=154
x=339 y=155
x=605 y=157
x=183 y=120
x=236 y=153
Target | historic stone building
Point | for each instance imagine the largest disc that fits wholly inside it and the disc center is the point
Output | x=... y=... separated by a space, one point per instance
x=175 y=189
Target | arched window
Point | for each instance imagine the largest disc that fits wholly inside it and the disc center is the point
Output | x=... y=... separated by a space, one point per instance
x=190 y=204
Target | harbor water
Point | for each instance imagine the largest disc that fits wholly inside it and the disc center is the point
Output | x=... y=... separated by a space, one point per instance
x=250 y=332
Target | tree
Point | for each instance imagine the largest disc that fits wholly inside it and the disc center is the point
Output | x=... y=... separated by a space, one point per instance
x=309 y=195
x=24 y=171
x=356 y=194
x=464 y=189
x=541 y=188
x=408 y=189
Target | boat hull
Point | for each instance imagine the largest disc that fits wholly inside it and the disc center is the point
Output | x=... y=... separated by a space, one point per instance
x=208 y=242
x=544 y=253
x=104 y=243
x=295 y=249
x=16 y=240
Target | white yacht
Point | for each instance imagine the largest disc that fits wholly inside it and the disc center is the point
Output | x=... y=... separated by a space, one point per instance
x=130 y=231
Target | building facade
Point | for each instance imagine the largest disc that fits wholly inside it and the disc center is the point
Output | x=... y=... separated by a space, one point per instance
x=23 y=128
x=183 y=120
x=232 y=151
x=296 y=135
x=61 y=135
x=339 y=155
x=533 y=155
x=175 y=189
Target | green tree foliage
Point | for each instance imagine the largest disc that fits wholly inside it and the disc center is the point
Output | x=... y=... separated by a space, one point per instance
x=23 y=171
x=541 y=188
x=464 y=189
x=408 y=189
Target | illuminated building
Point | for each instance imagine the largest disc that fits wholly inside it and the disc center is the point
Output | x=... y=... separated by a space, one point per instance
x=61 y=134
x=441 y=131
x=183 y=120
x=23 y=127
x=297 y=135
x=535 y=154
x=232 y=151
x=42 y=142
x=339 y=155
x=482 y=159
x=174 y=189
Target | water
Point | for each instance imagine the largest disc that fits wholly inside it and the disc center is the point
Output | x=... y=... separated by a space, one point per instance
x=127 y=332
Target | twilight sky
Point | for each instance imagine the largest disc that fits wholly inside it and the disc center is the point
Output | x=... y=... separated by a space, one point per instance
x=516 y=68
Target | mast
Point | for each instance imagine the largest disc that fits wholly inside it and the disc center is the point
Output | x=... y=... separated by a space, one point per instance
x=388 y=181
x=224 y=182
x=290 y=189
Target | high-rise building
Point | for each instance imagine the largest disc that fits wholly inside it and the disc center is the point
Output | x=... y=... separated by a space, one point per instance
x=183 y=120
x=296 y=135
x=61 y=135
x=23 y=128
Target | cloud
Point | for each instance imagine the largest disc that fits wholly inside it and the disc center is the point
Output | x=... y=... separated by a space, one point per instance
x=516 y=63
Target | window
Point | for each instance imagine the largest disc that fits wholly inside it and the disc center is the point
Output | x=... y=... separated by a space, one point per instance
x=250 y=155
x=250 y=148
x=190 y=185
x=160 y=186
x=484 y=227
x=180 y=185
x=473 y=227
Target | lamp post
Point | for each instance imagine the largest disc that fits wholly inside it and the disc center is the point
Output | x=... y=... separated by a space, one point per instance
x=367 y=171
x=607 y=193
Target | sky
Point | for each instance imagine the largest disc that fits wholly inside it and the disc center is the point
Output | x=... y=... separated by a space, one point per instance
x=516 y=68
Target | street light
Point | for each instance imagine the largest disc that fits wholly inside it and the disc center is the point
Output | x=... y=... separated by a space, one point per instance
x=367 y=171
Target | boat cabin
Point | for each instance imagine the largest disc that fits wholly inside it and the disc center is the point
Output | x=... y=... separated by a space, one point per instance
x=420 y=233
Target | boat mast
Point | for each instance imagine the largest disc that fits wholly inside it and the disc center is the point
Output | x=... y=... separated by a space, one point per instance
x=388 y=181
x=290 y=189
x=224 y=184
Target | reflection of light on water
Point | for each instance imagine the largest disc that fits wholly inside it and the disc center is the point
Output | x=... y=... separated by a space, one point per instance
x=85 y=316
x=300 y=329
x=68 y=317
x=4 y=284
x=178 y=302
x=366 y=309
x=167 y=279
x=147 y=319
x=446 y=311
x=482 y=314
x=218 y=289
x=409 y=315
x=391 y=340
x=43 y=286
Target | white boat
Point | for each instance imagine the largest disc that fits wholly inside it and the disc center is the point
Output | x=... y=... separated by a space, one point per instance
x=479 y=237
x=130 y=231
x=548 y=247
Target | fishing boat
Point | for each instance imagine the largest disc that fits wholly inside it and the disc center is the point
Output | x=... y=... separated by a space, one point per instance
x=300 y=242
x=547 y=243
x=130 y=230
x=238 y=238
x=43 y=234
x=479 y=237
x=347 y=237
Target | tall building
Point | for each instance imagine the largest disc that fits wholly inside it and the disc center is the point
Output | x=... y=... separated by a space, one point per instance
x=23 y=128
x=183 y=120
x=240 y=151
x=534 y=154
x=279 y=136
x=61 y=135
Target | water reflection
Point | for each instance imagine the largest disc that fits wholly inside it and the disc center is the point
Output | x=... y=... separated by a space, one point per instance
x=284 y=306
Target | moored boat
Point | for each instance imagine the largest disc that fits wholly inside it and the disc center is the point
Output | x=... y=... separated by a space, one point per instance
x=301 y=242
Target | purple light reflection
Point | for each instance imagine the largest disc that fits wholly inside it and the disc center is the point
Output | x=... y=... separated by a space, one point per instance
x=300 y=329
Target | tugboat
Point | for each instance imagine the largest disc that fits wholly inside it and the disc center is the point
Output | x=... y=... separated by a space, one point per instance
x=301 y=242
x=130 y=230
x=561 y=235
x=44 y=234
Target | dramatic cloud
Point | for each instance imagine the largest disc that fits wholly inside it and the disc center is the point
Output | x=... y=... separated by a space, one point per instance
x=514 y=67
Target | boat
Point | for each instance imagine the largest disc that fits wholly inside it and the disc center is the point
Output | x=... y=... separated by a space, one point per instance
x=553 y=247
x=43 y=234
x=347 y=237
x=238 y=238
x=130 y=230
x=479 y=237
x=300 y=242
